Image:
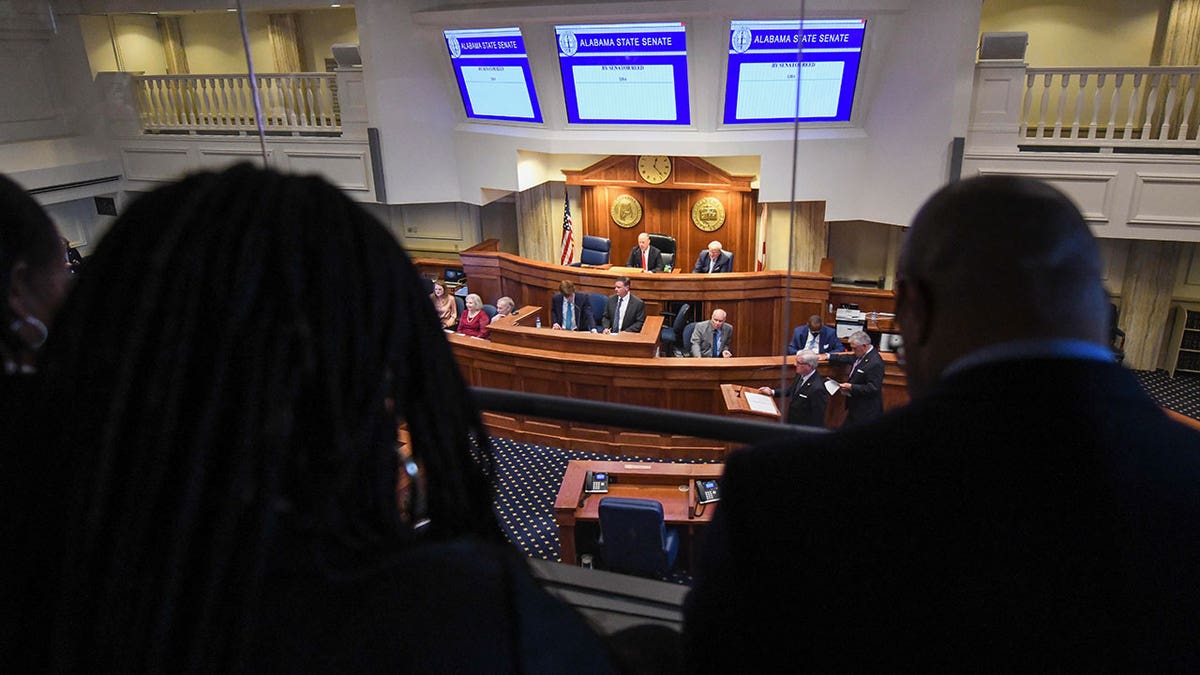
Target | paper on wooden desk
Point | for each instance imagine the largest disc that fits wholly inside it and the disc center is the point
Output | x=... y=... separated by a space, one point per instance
x=760 y=402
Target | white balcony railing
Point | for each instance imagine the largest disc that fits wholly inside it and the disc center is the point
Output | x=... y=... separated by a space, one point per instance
x=1112 y=107
x=297 y=103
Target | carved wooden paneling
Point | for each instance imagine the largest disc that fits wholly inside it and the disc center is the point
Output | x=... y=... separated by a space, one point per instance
x=667 y=207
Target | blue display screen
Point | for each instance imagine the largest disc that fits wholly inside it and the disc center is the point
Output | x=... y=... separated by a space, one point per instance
x=493 y=74
x=624 y=73
x=765 y=70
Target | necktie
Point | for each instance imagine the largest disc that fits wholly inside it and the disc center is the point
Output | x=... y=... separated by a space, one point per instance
x=712 y=265
x=570 y=314
x=618 y=317
x=812 y=341
x=716 y=343
x=644 y=259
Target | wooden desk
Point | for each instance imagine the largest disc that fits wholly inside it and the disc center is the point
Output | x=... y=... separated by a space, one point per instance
x=660 y=482
x=757 y=302
x=516 y=330
x=676 y=383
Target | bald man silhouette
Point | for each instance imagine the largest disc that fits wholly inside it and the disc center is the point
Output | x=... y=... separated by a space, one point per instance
x=1030 y=509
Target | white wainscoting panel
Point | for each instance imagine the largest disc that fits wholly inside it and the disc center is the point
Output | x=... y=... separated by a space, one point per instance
x=347 y=170
x=29 y=108
x=155 y=164
x=1093 y=191
x=1165 y=199
x=221 y=158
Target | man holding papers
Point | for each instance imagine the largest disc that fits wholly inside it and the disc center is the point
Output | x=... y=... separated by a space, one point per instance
x=807 y=397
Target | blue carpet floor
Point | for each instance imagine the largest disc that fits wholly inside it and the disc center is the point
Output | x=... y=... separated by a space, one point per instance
x=528 y=476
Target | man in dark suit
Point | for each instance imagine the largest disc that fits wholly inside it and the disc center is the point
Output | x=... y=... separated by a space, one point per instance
x=624 y=311
x=570 y=310
x=815 y=337
x=713 y=260
x=1030 y=509
x=864 y=387
x=711 y=338
x=806 y=396
x=645 y=256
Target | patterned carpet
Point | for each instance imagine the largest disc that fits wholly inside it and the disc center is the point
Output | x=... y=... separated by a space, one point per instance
x=527 y=480
x=528 y=476
x=1181 y=394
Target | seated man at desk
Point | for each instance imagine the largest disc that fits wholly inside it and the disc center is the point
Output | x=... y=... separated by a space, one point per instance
x=624 y=312
x=569 y=310
x=713 y=260
x=711 y=338
x=815 y=337
x=646 y=256
x=504 y=307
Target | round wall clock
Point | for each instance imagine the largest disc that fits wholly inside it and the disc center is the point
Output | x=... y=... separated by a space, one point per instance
x=654 y=169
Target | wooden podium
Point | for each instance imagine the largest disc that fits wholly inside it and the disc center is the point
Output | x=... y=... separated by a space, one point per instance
x=749 y=401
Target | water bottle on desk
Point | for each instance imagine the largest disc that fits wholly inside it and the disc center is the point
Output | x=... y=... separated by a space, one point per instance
x=537 y=323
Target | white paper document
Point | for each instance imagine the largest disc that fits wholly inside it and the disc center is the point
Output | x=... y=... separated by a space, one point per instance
x=760 y=402
x=832 y=387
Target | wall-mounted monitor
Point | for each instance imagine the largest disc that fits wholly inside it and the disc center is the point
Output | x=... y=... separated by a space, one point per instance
x=634 y=73
x=493 y=74
x=765 y=70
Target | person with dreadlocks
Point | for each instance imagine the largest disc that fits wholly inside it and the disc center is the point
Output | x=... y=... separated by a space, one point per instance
x=237 y=359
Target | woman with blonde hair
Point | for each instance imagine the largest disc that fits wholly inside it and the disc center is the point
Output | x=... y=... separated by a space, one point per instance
x=474 y=321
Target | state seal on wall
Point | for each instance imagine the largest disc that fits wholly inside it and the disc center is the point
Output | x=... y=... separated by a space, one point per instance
x=708 y=214
x=626 y=211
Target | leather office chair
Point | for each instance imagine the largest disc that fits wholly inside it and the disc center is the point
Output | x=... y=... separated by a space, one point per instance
x=595 y=251
x=490 y=310
x=461 y=302
x=634 y=538
x=671 y=336
x=598 y=300
x=687 y=338
x=666 y=245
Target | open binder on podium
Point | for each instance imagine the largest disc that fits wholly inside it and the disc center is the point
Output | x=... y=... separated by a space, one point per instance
x=740 y=400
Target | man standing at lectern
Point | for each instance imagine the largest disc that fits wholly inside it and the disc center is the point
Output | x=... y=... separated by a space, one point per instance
x=807 y=397
x=624 y=312
x=1031 y=509
x=645 y=256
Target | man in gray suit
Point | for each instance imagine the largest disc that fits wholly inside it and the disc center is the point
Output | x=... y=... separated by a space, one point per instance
x=711 y=338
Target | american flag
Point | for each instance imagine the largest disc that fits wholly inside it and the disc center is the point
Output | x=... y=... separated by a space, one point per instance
x=567 y=255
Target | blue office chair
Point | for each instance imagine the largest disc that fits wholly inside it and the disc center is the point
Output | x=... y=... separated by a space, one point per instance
x=687 y=338
x=598 y=300
x=634 y=538
x=670 y=336
x=461 y=302
x=490 y=310
x=594 y=252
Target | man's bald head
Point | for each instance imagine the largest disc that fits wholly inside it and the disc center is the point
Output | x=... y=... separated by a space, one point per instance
x=995 y=259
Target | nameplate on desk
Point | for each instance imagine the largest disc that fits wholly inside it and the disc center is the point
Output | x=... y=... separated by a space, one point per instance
x=638 y=466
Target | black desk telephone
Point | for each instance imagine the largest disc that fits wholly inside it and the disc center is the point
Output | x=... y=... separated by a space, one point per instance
x=595 y=482
x=707 y=491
